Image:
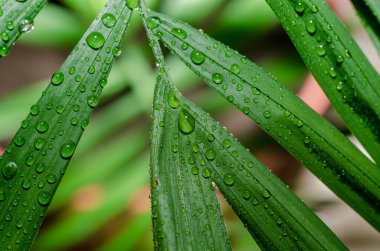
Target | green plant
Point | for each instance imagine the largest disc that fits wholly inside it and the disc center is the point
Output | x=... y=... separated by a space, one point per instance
x=191 y=154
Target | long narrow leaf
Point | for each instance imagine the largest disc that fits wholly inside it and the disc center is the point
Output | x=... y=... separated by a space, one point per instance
x=340 y=67
x=369 y=13
x=35 y=161
x=190 y=152
x=16 y=17
x=310 y=138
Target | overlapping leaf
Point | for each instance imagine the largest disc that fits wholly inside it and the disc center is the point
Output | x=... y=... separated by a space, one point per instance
x=312 y=140
x=191 y=154
x=35 y=161
x=16 y=17
x=369 y=13
x=340 y=67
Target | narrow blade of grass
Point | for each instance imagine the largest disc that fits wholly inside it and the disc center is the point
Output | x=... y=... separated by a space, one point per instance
x=337 y=63
x=310 y=138
x=16 y=17
x=35 y=161
x=369 y=13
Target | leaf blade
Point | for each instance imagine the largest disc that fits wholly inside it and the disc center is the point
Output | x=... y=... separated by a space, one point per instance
x=312 y=140
x=34 y=163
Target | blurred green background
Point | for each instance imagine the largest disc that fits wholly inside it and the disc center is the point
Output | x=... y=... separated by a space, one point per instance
x=103 y=201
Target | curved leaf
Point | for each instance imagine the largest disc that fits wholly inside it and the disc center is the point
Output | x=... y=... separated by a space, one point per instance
x=310 y=138
x=337 y=63
x=16 y=17
x=35 y=161
x=369 y=13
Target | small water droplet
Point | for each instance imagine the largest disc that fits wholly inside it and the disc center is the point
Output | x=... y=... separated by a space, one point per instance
x=206 y=173
x=267 y=114
x=131 y=4
x=173 y=101
x=217 y=78
x=19 y=140
x=26 y=184
x=92 y=101
x=68 y=149
x=153 y=22
x=95 y=40
x=194 y=170
x=321 y=51
x=210 y=154
x=197 y=57
x=300 y=7
x=235 y=69
x=51 y=179
x=44 y=198
x=10 y=170
x=266 y=194
x=186 y=122
x=26 y=25
x=181 y=34
x=229 y=179
x=34 y=110
x=42 y=126
x=311 y=27
x=109 y=20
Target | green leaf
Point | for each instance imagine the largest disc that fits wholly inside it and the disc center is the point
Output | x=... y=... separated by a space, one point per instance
x=337 y=63
x=369 y=13
x=191 y=155
x=35 y=161
x=310 y=138
x=16 y=17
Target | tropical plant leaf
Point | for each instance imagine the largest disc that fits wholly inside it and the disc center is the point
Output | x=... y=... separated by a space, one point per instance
x=338 y=64
x=16 y=17
x=35 y=161
x=190 y=154
x=369 y=13
x=310 y=138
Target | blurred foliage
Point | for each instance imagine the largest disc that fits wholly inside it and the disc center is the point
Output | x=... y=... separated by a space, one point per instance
x=102 y=203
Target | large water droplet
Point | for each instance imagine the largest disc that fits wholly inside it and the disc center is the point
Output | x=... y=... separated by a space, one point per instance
x=95 y=40
x=92 y=101
x=153 y=22
x=210 y=154
x=186 y=122
x=181 y=34
x=26 y=25
x=217 y=78
x=109 y=20
x=311 y=27
x=68 y=149
x=197 y=57
x=173 y=101
x=42 y=126
x=10 y=170
x=44 y=198
x=229 y=179
x=57 y=78
x=19 y=141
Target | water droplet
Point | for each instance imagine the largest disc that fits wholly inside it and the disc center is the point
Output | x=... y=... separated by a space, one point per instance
x=26 y=184
x=194 y=170
x=4 y=50
x=57 y=78
x=2 y=196
x=197 y=57
x=227 y=143
x=217 y=78
x=235 y=69
x=267 y=114
x=206 y=173
x=186 y=122
x=153 y=22
x=5 y=36
x=332 y=72
x=67 y=150
x=44 y=198
x=311 y=27
x=26 y=25
x=229 y=179
x=339 y=59
x=109 y=20
x=181 y=34
x=34 y=110
x=210 y=154
x=300 y=7
x=314 y=9
x=19 y=141
x=10 y=170
x=95 y=40
x=266 y=194
x=321 y=51
x=40 y=168
x=42 y=126
x=246 y=195
x=348 y=53
x=173 y=101
x=92 y=101
x=132 y=4
x=51 y=179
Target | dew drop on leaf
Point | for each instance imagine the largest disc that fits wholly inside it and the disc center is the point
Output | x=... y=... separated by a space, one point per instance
x=57 y=78
x=197 y=57
x=217 y=78
x=42 y=126
x=95 y=40
x=186 y=122
x=153 y=22
x=109 y=20
x=26 y=25
x=311 y=27
x=67 y=150
x=210 y=154
x=92 y=101
x=19 y=141
x=229 y=179
x=10 y=170
x=131 y=4
x=266 y=194
x=173 y=100
x=235 y=69
x=206 y=173
x=44 y=198
x=300 y=7
x=181 y=34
